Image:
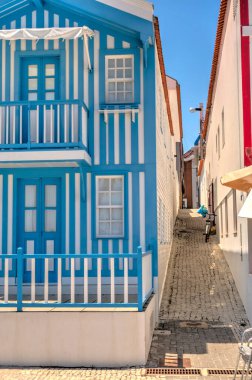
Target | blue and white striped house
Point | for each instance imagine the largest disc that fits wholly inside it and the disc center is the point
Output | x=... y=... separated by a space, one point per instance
x=88 y=179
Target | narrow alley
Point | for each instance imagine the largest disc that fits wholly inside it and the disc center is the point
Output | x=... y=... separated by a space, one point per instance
x=201 y=315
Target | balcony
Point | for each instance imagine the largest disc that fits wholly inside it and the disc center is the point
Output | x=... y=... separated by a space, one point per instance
x=43 y=125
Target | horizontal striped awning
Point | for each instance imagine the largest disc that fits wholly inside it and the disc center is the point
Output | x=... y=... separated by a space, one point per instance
x=239 y=179
x=45 y=33
x=35 y=34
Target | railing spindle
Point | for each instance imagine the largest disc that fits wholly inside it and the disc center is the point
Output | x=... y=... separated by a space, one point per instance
x=85 y=280
x=1 y=125
x=72 y=123
x=139 y=278
x=112 y=280
x=59 y=281
x=33 y=284
x=6 y=280
x=65 y=123
x=99 y=267
x=46 y=280
x=72 y=261
x=14 y=125
x=58 y=123
x=51 y=124
x=20 y=265
x=37 y=125
x=21 y=124
x=126 y=281
x=7 y=125
x=44 y=117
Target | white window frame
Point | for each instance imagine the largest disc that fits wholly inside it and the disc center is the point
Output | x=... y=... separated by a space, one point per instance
x=110 y=207
x=115 y=80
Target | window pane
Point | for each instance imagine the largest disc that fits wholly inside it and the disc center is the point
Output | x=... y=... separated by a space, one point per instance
x=33 y=84
x=111 y=74
x=103 y=184
x=116 y=184
x=30 y=195
x=50 y=70
x=111 y=86
x=50 y=195
x=50 y=83
x=50 y=220
x=119 y=62
x=30 y=220
x=104 y=214
x=116 y=198
x=104 y=228
x=50 y=96
x=119 y=73
x=120 y=96
x=128 y=97
x=128 y=86
x=33 y=70
x=103 y=199
x=33 y=96
x=111 y=63
x=117 y=214
x=120 y=86
x=128 y=62
x=128 y=73
x=117 y=228
x=111 y=97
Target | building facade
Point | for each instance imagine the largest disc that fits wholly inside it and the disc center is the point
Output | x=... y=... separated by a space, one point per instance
x=88 y=180
x=227 y=134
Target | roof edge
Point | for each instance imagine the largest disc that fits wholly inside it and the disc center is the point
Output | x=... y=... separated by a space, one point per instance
x=163 y=74
x=215 y=62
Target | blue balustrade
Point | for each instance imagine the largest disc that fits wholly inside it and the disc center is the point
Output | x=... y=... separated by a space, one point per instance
x=82 y=280
x=43 y=124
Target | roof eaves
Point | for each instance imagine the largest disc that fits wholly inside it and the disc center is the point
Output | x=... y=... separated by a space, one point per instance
x=163 y=75
x=216 y=57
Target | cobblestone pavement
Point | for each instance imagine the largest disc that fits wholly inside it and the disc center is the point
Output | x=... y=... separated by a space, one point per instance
x=199 y=290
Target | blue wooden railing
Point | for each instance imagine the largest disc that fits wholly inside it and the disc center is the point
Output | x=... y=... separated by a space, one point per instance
x=81 y=280
x=43 y=124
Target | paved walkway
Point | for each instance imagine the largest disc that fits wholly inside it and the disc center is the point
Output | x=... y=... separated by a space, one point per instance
x=201 y=315
x=201 y=309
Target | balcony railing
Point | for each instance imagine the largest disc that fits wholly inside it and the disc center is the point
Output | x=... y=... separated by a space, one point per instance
x=80 y=280
x=43 y=125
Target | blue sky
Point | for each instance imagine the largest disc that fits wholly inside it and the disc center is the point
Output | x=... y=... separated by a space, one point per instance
x=188 y=29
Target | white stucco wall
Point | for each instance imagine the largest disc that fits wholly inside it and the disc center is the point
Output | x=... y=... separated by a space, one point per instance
x=167 y=180
x=76 y=338
x=227 y=98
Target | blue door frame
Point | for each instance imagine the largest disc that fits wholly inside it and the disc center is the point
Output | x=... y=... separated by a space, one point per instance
x=39 y=223
x=39 y=82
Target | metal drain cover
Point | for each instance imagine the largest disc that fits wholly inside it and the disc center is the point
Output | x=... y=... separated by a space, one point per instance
x=173 y=371
x=194 y=324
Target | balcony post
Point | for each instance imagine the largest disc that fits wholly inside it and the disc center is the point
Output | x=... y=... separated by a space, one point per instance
x=140 y=278
x=29 y=127
x=20 y=279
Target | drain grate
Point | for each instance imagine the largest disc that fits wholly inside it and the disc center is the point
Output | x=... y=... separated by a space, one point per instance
x=173 y=371
x=219 y=371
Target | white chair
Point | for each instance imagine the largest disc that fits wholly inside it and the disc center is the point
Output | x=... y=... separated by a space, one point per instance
x=245 y=353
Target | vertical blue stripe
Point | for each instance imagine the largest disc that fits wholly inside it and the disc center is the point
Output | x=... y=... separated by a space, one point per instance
x=8 y=68
x=5 y=211
x=80 y=68
x=40 y=24
x=102 y=140
x=72 y=212
x=91 y=99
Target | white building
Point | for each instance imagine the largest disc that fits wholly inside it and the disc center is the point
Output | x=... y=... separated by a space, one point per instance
x=227 y=133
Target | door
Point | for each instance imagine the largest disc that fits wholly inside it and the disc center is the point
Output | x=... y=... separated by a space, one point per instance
x=39 y=84
x=39 y=215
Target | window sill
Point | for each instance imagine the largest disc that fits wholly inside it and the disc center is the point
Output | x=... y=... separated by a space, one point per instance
x=119 y=106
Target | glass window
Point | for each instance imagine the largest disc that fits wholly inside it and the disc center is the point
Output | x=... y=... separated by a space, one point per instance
x=50 y=83
x=30 y=220
x=120 y=79
x=50 y=220
x=33 y=70
x=110 y=206
x=50 y=70
x=30 y=195
x=50 y=195
x=33 y=84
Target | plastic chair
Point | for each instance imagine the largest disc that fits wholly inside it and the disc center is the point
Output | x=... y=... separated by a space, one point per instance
x=245 y=353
